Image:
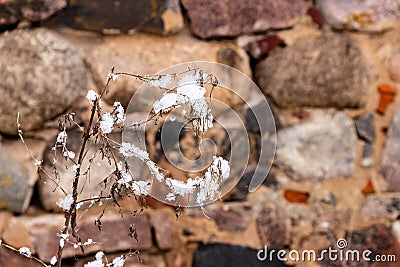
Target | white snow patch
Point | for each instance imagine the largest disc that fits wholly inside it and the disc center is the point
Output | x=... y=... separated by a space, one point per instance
x=141 y=187
x=92 y=96
x=162 y=81
x=129 y=150
x=66 y=203
x=106 y=123
x=25 y=251
x=166 y=102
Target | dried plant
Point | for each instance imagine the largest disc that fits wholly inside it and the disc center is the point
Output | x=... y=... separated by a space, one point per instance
x=189 y=92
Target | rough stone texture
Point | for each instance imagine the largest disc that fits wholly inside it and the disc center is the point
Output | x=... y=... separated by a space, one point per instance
x=16 y=235
x=382 y=206
x=367 y=15
x=148 y=54
x=163 y=223
x=390 y=163
x=163 y=17
x=323 y=71
x=10 y=258
x=394 y=67
x=367 y=159
x=232 y=217
x=15 y=186
x=224 y=255
x=319 y=149
x=5 y=218
x=113 y=237
x=378 y=238
x=365 y=126
x=88 y=186
x=241 y=190
x=235 y=17
x=13 y=11
x=37 y=68
x=274 y=226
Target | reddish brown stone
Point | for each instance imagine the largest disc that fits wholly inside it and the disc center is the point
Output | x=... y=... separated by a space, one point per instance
x=16 y=235
x=11 y=258
x=113 y=237
x=274 y=226
x=316 y=16
x=235 y=17
x=301 y=114
x=296 y=196
x=232 y=217
x=263 y=46
x=163 y=222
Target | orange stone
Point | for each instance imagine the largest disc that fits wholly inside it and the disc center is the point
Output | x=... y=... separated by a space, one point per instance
x=368 y=188
x=296 y=196
x=387 y=95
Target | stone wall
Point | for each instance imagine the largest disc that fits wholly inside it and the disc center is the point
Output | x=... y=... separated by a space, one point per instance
x=330 y=69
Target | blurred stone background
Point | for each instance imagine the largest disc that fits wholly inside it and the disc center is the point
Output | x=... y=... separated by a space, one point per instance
x=330 y=69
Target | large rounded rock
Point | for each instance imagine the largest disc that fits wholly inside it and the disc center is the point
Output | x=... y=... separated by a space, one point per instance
x=41 y=75
x=322 y=71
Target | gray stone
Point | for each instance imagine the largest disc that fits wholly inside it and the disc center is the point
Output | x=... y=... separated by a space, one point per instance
x=321 y=148
x=235 y=17
x=41 y=76
x=367 y=15
x=382 y=206
x=15 y=187
x=367 y=159
x=13 y=11
x=251 y=122
x=390 y=162
x=321 y=71
x=163 y=17
x=365 y=126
